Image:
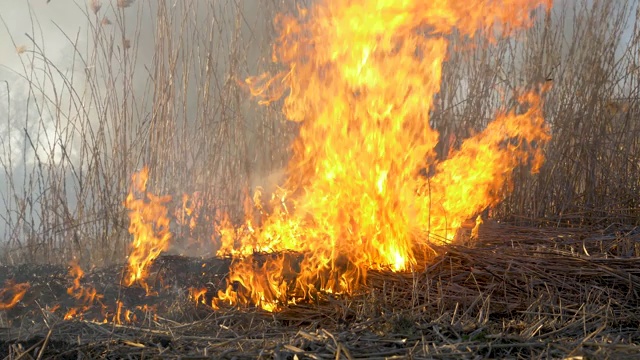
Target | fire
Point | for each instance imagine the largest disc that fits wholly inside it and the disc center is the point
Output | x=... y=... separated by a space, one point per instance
x=360 y=76
x=122 y=315
x=197 y=295
x=72 y=313
x=149 y=225
x=263 y=283
x=117 y=318
x=187 y=215
x=11 y=294
x=86 y=295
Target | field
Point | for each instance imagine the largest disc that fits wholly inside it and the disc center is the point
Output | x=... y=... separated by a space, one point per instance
x=176 y=89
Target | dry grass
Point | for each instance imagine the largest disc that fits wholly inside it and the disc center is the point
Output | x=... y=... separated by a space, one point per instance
x=520 y=292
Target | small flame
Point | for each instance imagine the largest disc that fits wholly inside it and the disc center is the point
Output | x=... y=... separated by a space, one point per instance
x=12 y=293
x=476 y=229
x=117 y=318
x=87 y=295
x=187 y=215
x=262 y=278
x=129 y=316
x=72 y=313
x=198 y=295
x=149 y=225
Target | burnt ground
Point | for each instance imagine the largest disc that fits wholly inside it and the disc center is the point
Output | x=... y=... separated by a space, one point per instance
x=519 y=292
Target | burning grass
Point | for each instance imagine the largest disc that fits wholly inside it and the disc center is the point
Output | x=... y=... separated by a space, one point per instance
x=407 y=121
x=357 y=196
x=519 y=292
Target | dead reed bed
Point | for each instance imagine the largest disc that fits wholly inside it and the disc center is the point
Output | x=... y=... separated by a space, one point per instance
x=518 y=292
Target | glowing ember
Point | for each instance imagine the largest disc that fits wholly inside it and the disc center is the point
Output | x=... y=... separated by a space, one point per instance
x=149 y=225
x=360 y=77
x=11 y=294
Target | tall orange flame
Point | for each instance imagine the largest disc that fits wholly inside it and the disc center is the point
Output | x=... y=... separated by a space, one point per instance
x=149 y=225
x=360 y=76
